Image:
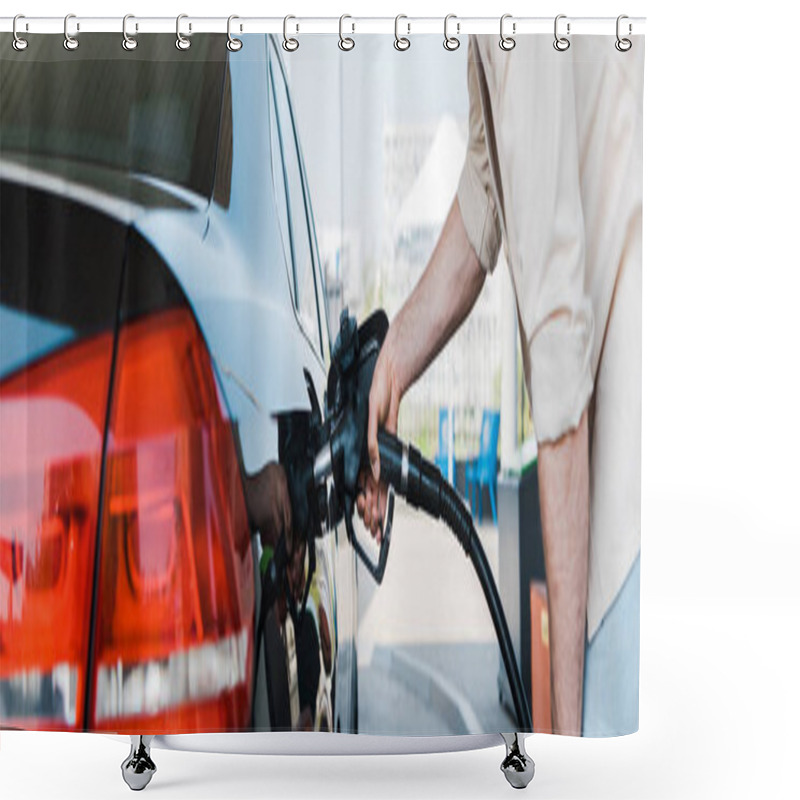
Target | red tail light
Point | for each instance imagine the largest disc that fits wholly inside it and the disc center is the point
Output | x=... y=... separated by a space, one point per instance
x=174 y=628
x=52 y=416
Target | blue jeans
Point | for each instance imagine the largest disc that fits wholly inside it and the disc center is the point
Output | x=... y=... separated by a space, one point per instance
x=611 y=666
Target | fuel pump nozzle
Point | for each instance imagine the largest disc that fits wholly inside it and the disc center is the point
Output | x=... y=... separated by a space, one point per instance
x=342 y=454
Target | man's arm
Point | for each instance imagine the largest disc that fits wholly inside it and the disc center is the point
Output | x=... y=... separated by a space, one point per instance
x=441 y=300
x=564 y=502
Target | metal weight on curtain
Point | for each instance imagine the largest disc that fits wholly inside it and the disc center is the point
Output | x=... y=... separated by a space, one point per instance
x=507 y=42
x=233 y=44
x=128 y=42
x=451 y=42
x=346 y=42
x=401 y=42
x=561 y=43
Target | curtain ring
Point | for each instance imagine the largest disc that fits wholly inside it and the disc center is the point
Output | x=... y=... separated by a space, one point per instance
x=70 y=42
x=289 y=44
x=401 y=42
x=623 y=45
x=18 y=42
x=128 y=42
x=345 y=42
x=451 y=42
x=507 y=42
x=233 y=44
x=561 y=43
x=181 y=42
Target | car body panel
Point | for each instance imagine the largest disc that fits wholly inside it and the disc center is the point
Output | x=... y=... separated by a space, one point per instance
x=230 y=264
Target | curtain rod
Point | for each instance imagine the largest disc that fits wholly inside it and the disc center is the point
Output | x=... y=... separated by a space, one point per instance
x=299 y=25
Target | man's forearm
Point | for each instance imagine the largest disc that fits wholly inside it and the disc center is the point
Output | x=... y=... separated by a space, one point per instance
x=444 y=295
x=564 y=500
x=440 y=301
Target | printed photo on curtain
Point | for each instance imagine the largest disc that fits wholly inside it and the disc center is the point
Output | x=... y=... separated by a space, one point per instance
x=320 y=384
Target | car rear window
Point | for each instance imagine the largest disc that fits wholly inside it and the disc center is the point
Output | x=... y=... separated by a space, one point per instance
x=153 y=111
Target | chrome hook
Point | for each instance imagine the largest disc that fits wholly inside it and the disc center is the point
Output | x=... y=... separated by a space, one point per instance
x=181 y=42
x=233 y=44
x=507 y=42
x=401 y=42
x=128 y=42
x=346 y=42
x=561 y=43
x=451 y=42
x=623 y=45
x=18 y=42
x=289 y=44
x=70 y=42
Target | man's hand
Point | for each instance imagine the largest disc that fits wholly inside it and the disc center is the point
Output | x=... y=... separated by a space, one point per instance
x=269 y=508
x=296 y=568
x=441 y=300
x=384 y=405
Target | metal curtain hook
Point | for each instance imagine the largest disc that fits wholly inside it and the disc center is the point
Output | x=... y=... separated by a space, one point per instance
x=623 y=45
x=561 y=43
x=18 y=42
x=507 y=42
x=233 y=44
x=181 y=42
x=70 y=42
x=346 y=42
x=289 y=44
x=451 y=42
x=128 y=42
x=401 y=42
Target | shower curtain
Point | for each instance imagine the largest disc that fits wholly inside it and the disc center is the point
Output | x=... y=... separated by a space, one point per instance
x=189 y=236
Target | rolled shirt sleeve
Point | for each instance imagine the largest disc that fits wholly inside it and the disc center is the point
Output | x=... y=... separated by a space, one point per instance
x=521 y=177
x=475 y=197
x=555 y=154
x=547 y=240
x=560 y=380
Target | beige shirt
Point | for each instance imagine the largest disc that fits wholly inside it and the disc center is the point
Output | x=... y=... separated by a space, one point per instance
x=554 y=171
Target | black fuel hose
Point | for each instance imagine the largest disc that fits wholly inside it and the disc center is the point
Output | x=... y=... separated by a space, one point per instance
x=423 y=486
